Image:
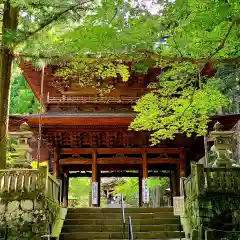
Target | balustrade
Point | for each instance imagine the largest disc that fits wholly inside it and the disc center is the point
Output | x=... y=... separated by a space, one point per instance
x=212 y=180
x=83 y=99
x=14 y=181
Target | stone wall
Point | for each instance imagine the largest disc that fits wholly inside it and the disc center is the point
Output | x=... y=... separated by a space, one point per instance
x=27 y=219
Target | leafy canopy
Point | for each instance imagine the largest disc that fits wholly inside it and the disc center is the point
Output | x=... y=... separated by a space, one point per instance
x=180 y=40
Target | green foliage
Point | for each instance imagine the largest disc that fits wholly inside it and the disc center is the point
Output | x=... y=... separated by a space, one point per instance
x=202 y=29
x=80 y=189
x=129 y=187
x=117 y=32
x=179 y=105
x=93 y=72
x=23 y=100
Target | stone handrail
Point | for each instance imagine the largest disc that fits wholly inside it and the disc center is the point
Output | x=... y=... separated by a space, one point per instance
x=212 y=181
x=53 y=188
x=28 y=181
x=190 y=185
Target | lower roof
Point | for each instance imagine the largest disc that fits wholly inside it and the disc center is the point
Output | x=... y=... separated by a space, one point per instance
x=89 y=119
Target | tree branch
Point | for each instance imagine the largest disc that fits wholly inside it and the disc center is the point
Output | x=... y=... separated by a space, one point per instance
x=187 y=59
x=177 y=48
x=223 y=41
x=156 y=56
x=193 y=92
x=114 y=15
x=49 y=21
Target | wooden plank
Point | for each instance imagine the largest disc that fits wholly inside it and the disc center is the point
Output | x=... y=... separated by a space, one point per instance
x=69 y=151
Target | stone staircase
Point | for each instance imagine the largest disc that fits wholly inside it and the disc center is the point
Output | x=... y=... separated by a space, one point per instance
x=106 y=223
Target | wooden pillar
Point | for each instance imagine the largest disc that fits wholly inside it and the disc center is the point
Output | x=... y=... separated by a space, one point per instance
x=140 y=187
x=62 y=188
x=145 y=165
x=56 y=166
x=171 y=187
x=95 y=184
x=99 y=187
x=67 y=188
x=182 y=163
x=145 y=190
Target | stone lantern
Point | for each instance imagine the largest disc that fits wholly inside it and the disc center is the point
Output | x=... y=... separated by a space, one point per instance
x=223 y=146
x=22 y=147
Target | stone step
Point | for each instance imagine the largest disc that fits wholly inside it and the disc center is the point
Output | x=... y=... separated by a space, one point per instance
x=149 y=221
x=73 y=215
x=119 y=228
x=119 y=210
x=119 y=235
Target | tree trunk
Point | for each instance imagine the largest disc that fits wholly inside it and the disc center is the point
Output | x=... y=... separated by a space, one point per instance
x=9 y=26
x=5 y=76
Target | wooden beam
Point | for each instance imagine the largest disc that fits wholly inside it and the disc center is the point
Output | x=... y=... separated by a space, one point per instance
x=78 y=121
x=75 y=161
x=69 y=151
x=118 y=160
x=119 y=174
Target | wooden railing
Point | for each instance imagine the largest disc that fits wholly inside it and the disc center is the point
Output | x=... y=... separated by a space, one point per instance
x=15 y=181
x=82 y=99
x=212 y=181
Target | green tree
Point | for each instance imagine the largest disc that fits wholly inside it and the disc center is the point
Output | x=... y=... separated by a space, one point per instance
x=197 y=35
x=23 y=100
x=129 y=188
x=80 y=188
x=20 y=21
x=50 y=29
